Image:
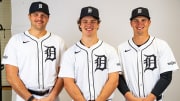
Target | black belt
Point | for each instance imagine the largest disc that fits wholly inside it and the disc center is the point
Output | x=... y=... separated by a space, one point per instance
x=40 y=93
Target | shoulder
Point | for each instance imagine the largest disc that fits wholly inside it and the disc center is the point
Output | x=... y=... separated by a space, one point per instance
x=56 y=36
x=160 y=42
x=71 y=49
x=107 y=46
x=16 y=37
x=57 y=39
x=123 y=44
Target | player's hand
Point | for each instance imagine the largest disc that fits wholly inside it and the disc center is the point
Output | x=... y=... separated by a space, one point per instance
x=45 y=99
x=150 y=97
x=135 y=99
x=35 y=99
x=130 y=97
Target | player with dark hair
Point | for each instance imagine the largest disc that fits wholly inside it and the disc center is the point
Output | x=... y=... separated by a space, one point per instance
x=147 y=62
x=90 y=67
x=32 y=59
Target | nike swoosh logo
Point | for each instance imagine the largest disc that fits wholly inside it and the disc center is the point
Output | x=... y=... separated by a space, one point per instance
x=127 y=50
x=76 y=52
x=25 y=41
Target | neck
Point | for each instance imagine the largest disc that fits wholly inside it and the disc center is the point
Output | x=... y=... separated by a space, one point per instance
x=36 y=33
x=88 y=42
x=140 y=40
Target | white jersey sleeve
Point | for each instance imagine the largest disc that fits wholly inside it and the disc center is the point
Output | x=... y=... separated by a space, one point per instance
x=167 y=61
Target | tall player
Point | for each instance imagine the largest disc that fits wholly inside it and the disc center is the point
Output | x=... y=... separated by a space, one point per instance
x=147 y=62
x=90 y=67
x=32 y=59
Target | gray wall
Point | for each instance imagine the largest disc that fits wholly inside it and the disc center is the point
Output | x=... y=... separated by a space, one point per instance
x=5 y=20
x=114 y=29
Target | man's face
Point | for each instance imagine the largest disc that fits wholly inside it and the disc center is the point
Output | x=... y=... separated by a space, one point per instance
x=89 y=25
x=140 y=24
x=38 y=20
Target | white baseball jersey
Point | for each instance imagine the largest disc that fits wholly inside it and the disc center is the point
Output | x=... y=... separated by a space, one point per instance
x=37 y=59
x=90 y=66
x=143 y=65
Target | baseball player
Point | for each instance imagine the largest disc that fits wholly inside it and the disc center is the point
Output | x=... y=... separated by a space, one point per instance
x=147 y=62
x=90 y=67
x=32 y=59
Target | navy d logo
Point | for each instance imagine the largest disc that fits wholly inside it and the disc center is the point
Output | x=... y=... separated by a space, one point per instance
x=101 y=62
x=150 y=62
x=50 y=53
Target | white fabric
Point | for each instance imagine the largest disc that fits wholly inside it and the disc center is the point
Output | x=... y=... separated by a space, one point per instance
x=143 y=65
x=37 y=59
x=89 y=67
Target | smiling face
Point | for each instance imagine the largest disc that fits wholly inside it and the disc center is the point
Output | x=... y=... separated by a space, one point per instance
x=140 y=25
x=38 y=20
x=89 y=25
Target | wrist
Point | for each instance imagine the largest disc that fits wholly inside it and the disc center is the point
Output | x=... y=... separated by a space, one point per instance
x=151 y=96
x=31 y=98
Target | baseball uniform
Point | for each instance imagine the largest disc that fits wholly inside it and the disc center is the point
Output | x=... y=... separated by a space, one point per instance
x=143 y=65
x=90 y=67
x=36 y=59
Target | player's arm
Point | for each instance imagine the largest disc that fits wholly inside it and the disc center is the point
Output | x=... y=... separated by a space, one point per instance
x=56 y=90
x=16 y=83
x=123 y=88
x=72 y=89
x=109 y=87
x=161 y=85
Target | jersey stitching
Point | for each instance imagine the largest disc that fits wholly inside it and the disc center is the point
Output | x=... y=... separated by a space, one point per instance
x=92 y=68
x=88 y=67
x=37 y=56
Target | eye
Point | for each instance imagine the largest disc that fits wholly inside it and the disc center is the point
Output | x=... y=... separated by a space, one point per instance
x=143 y=20
x=93 y=21
x=84 y=21
x=135 y=20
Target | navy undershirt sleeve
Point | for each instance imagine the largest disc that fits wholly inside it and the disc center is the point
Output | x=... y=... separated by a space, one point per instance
x=162 y=84
x=122 y=86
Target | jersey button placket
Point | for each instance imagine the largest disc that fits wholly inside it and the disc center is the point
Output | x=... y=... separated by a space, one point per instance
x=140 y=68
x=91 y=79
x=40 y=66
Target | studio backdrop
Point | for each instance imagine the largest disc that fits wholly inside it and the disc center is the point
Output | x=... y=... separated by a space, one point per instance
x=114 y=28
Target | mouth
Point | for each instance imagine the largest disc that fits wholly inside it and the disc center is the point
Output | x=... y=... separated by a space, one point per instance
x=88 y=29
x=140 y=28
x=39 y=22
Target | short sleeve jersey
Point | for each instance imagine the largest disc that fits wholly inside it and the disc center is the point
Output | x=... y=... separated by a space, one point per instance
x=90 y=66
x=143 y=65
x=36 y=59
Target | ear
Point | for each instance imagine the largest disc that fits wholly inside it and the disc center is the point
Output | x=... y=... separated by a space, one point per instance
x=149 y=21
x=29 y=16
x=130 y=23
